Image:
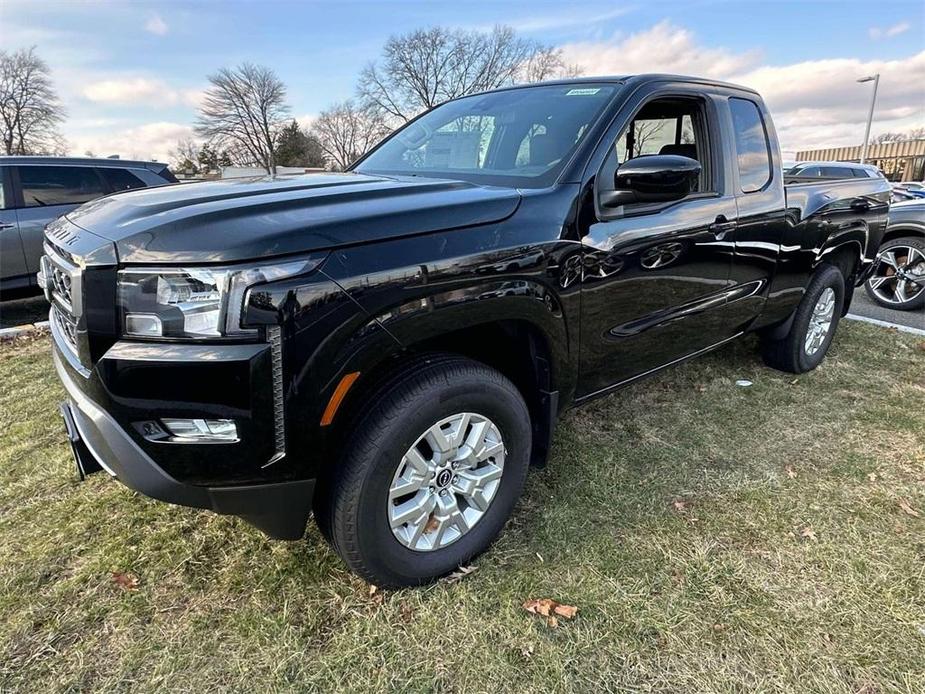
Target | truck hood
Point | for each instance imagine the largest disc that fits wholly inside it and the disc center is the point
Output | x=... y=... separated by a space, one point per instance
x=244 y=219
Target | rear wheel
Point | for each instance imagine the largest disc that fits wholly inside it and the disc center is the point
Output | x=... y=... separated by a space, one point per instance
x=813 y=327
x=899 y=277
x=431 y=473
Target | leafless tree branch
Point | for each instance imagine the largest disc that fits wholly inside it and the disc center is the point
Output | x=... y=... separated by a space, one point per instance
x=29 y=108
x=244 y=112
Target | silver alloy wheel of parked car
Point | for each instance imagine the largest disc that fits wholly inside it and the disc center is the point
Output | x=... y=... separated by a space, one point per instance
x=899 y=276
x=446 y=481
x=820 y=322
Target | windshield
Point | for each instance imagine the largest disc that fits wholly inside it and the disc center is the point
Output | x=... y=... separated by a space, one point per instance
x=521 y=137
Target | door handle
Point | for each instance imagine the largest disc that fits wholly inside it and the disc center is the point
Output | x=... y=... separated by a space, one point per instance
x=4 y=225
x=721 y=226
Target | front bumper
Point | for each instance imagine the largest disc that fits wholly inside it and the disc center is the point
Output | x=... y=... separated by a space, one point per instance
x=280 y=509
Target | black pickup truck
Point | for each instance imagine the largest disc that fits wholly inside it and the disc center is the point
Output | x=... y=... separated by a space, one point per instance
x=390 y=347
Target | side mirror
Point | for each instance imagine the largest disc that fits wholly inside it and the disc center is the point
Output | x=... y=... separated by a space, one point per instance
x=652 y=178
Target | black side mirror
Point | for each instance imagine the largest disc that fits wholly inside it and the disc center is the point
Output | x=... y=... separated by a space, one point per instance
x=652 y=178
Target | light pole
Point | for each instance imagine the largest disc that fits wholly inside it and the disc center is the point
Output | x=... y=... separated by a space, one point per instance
x=870 y=116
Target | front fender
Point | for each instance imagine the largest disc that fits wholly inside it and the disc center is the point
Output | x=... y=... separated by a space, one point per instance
x=433 y=293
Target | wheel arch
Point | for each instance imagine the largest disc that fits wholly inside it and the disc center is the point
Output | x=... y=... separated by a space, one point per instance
x=903 y=231
x=525 y=351
x=847 y=256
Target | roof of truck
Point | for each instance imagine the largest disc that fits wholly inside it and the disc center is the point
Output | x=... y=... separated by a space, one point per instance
x=624 y=79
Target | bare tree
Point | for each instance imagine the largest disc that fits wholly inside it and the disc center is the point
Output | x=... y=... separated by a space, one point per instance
x=429 y=66
x=347 y=131
x=547 y=63
x=29 y=106
x=914 y=134
x=244 y=112
x=185 y=156
x=646 y=130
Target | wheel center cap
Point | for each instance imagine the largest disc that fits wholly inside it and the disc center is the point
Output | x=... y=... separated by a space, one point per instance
x=444 y=477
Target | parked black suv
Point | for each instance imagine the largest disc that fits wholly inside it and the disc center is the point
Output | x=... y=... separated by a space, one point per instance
x=390 y=347
x=35 y=190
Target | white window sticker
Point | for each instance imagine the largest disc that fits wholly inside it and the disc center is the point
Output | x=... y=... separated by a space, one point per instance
x=587 y=91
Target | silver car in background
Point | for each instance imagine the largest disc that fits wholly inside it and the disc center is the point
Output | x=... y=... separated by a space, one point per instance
x=36 y=190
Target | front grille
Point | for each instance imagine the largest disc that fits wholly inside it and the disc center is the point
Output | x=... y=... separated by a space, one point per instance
x=61 y=276
x=66 y=325
x=61 y=284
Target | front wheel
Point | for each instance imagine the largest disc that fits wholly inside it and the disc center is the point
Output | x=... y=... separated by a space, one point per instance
x=898 y=280
x=813 y=326
x=431 y=473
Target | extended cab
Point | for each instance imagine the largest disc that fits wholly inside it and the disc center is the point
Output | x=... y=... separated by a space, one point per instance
x=390 y=347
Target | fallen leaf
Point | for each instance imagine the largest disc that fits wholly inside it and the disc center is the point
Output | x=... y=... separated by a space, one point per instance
x=527 y=650
x=126 y=581
x=808 y=533
x=791 y=473
x=460 y=573
x=552 y=622
x=546 y=607
x=679 y=505
x=907 y=509
x=372 y=590
x=432 y=524
x=407 y=614
x=872 y=476
x=794 y=381
x=719 y=627
x=701 y=388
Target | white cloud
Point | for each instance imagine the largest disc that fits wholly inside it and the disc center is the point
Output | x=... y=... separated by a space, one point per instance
x=134 y=90
x=665 y=47
x=889 y=32
x=156 y=25
x=815 y=103
x=125 y=91
x=149 y=141
x=549 y=22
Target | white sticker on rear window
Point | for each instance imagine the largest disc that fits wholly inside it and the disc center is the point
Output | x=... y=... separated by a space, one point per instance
x=586 y=91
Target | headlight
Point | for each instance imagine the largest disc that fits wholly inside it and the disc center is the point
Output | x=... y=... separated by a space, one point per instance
x=194 y=302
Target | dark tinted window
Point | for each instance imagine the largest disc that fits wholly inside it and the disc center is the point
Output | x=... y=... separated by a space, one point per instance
x=835 y=172
x=752 y=148
x=58 y=185
x=860 y=173
x=121 y=179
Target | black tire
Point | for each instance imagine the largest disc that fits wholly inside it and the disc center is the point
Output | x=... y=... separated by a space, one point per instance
x=789 y=353
x=353 y=508
x=915 y=302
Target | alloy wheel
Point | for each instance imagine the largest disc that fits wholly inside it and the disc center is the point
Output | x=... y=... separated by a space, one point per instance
x=446 y=481
x=899 y=276
x=820 y=322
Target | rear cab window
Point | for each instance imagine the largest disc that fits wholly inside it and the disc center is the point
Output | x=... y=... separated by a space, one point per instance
x=43 y=186
x=753 y=149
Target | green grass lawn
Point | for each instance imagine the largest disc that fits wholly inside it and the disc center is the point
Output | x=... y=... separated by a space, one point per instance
x=713 y=537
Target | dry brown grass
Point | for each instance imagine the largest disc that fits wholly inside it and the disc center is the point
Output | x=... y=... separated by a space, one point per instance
x=714 y=538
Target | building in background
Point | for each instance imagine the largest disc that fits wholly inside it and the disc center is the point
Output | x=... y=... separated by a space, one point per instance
x=899 y=161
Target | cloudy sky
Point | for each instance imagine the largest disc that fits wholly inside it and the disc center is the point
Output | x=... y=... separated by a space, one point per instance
x=131 y=73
